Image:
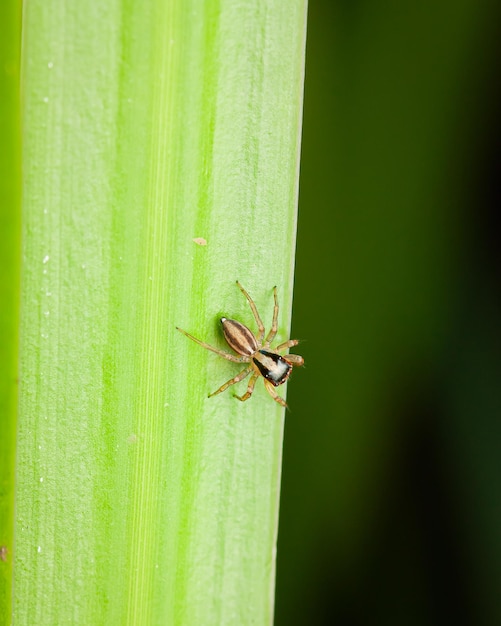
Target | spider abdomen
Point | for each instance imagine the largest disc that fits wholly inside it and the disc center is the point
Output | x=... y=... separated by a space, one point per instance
x=239 y=337
x=272 y=366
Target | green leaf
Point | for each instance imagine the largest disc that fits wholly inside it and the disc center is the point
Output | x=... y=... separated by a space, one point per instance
x=10 y=205
x=147 y=126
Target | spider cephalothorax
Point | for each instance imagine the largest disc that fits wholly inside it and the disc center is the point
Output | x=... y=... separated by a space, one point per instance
x=262 y=360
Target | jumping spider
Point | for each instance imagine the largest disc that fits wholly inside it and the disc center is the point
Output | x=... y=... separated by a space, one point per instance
x=261 y=358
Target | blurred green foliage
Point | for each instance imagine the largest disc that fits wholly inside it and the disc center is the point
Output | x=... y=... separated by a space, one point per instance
x=390 y=507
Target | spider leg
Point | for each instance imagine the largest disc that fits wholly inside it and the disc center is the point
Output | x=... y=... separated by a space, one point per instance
x=294 y=359
x=271 y=390
x=232 y=381
x=250 y=388
x=287 y=344
x=259 y=322
x=274 y=324
x=225 y=355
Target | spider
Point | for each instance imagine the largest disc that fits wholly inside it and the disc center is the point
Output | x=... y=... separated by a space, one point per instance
x=262 y=360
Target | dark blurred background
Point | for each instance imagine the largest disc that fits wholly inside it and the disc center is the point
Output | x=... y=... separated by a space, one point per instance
x=391 y=494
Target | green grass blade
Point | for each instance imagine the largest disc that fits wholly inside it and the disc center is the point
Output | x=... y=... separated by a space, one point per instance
x=10 y=204
x=146 y=125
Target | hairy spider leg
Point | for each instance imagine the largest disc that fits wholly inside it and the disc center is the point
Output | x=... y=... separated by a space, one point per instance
x=225 y=355
x=287 y=344
x=233 y=381
x=259 y=322
x=271 y=390
x=293 y=359
x=250 y=388
x=274 y=324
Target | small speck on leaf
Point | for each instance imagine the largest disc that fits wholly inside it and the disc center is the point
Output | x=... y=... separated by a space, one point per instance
x=200 y=241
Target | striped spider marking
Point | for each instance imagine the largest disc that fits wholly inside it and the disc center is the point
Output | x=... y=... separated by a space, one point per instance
x=261 y=359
